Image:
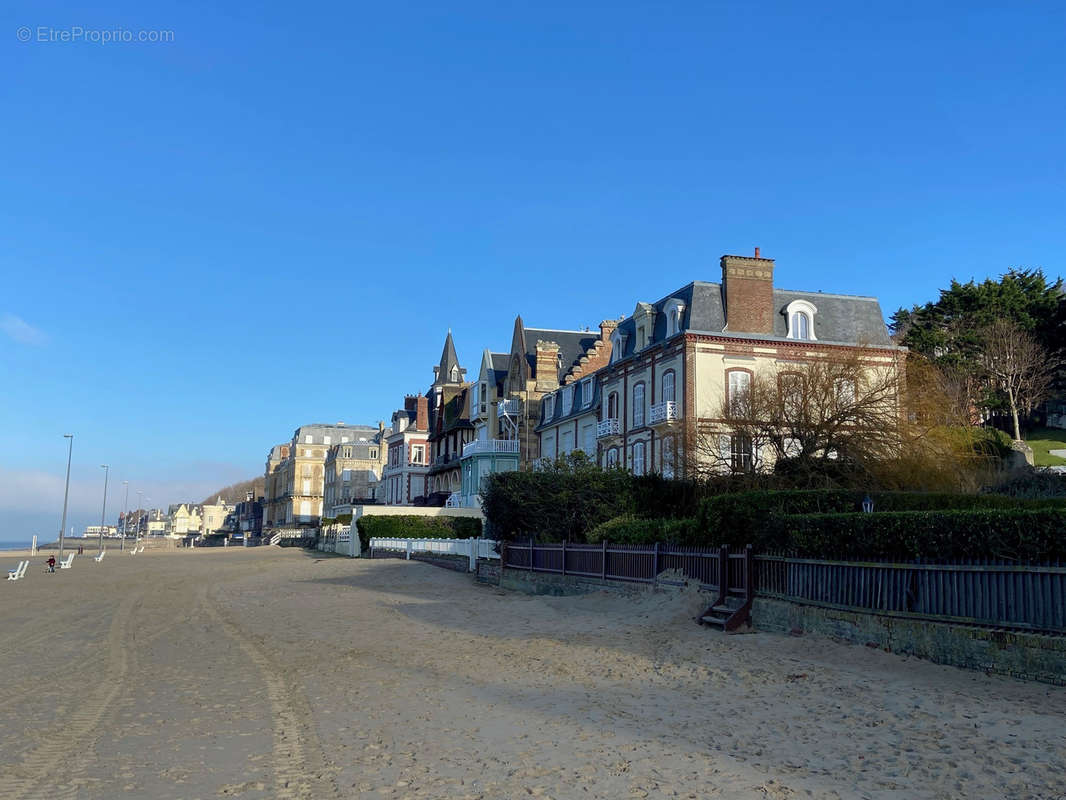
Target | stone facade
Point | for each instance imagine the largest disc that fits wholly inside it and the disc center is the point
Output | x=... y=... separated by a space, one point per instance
x=352 y=471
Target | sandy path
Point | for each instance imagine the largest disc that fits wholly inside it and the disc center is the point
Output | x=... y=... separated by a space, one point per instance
x=273 y=673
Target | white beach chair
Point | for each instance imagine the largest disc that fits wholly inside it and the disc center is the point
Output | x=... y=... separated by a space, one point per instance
x=133 y=552
x=140 y=549
x=100 y=557
x=17 y=572
x=66 y=562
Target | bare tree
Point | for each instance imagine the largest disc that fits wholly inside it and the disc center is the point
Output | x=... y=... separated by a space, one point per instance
x=1017 y=366
x=851 y=420
x=808 y=414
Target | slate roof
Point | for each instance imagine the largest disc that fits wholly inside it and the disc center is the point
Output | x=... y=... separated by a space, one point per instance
x=500 y=365
x=572 y=346
x=576 y=409
x=840 y=319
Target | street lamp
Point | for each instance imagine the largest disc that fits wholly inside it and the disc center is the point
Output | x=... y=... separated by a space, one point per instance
x=125 y=514
x=66 y=493
x=103 y=511
x=140 y=513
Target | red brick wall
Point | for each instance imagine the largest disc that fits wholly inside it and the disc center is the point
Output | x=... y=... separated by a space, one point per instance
x=749 y=294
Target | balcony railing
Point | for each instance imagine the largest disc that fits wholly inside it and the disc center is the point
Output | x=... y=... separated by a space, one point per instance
x=490 y=446
x=455 y=500
x=508 y=407
x=664 y=412
x=608 y=427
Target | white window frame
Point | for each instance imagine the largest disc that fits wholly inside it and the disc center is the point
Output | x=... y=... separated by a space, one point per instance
x=637 y=458
x=549 y=406
x=672 y=375
x=638 y=422
x=793 y=312
x=736 y=378
x=586 y=392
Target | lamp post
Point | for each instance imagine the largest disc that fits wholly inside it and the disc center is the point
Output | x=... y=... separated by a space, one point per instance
x=140 y=516
x=66 y=493
x=125 y=514
x=103 y=511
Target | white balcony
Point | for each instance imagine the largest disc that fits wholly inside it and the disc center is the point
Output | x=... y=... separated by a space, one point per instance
x=664 y=413
x=490 y=446
x=455 y=500
x=608 y=427
x=508 y=408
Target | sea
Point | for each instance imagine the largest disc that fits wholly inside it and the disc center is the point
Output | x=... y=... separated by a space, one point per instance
x=15 y=544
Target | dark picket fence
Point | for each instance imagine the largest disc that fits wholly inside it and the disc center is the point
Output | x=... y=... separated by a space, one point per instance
x=1000 y=595
x=995 y=595
x=636 y=563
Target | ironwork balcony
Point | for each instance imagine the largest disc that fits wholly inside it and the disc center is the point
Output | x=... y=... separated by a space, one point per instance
x=664 y=413
x=608 y=427
x=490 y=446
x=508 y=408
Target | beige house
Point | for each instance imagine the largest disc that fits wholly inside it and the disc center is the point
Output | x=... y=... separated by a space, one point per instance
x=183 y=519
x=674 y=362
x=214 y=516
x=352 y=472
x=295 y=481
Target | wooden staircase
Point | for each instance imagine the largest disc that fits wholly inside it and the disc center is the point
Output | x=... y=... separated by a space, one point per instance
x=731 y=611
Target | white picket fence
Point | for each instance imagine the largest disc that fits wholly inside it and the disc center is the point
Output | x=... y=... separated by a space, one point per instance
x=339 y=539
x=473 y=549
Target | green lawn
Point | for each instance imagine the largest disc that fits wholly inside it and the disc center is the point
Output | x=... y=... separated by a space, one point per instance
x=1044 y=439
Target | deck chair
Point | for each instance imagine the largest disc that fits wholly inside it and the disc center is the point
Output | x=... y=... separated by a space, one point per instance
x=66 y=562
x=99 y=558
x=16 y=573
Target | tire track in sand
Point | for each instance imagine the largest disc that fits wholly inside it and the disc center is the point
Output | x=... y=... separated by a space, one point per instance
x=299 y=768
x=37 y=774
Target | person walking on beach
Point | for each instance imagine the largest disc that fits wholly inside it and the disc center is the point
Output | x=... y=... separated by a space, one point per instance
x=51 y=563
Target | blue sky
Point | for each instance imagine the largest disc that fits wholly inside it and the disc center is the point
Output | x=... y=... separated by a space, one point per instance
x=274 y=218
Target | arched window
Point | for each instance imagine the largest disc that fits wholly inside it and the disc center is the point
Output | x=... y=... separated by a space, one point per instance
x=739 y=384
x=800 y=316
x=668 y=457
x=638 y=405
x=612 y=457
x=455 y=374
x=667 y=393
x=612 y=405
x=638 y=458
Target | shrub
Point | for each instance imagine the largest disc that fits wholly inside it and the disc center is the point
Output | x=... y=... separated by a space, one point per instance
x=1031 y=484
x=635 y=530
x=1014 y=534
x=407 y=526
x=744 y=516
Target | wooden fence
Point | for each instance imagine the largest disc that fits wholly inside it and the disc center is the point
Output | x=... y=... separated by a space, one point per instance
x=637 y=563
x=1000 y=595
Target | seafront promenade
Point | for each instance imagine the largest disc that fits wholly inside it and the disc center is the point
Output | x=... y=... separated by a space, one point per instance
x=267 y=673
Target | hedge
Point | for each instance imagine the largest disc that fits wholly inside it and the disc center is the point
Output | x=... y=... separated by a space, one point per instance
x=744 y=516
x=409 y=526
x=635 y=530
x=1011 y=534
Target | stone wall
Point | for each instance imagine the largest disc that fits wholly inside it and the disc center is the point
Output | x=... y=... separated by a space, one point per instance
x=1021 y=655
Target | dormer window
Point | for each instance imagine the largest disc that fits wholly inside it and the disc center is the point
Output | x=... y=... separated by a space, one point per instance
x=568 y=400
x=549 y=406
x=586 y=392
x=675 y=312
x=800 y=316
x=644 y=322
x=618 y=346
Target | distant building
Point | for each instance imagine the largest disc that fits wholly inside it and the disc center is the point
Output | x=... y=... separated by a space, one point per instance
x=404 y=476
x=215 y=516
x=352 y=472
x=249 y=516
x=450 y=427
x=184 y=519
x=92 y=531
x=295 y=481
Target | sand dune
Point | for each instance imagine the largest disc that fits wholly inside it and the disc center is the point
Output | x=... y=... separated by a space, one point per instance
x=273 y=673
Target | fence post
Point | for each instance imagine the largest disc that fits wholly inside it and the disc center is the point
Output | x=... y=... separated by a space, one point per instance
x=564 y=556
x=408 y=550
x=655 y=566
x=530 y=553
x=603 y=561
x=749 y=568
x=471 y=545
x=723 y=574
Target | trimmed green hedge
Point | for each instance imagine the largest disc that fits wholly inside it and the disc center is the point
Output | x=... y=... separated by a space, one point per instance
x=409 y=526
x=744 y=516
x=1013 y=534
x=635 y=530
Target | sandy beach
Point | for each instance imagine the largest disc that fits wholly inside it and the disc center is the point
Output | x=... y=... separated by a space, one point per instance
x=269 y=673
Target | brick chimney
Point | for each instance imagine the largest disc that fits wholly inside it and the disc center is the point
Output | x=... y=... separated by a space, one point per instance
x=547 y=366
x=422 y=414
x=607 y=328
x=748 y=284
